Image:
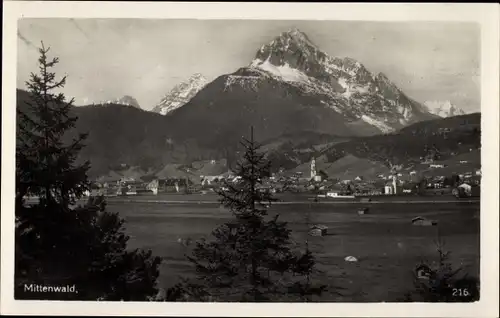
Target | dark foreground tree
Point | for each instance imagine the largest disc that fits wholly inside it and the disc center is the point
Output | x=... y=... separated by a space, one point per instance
x=251 y=257
x=64 y=251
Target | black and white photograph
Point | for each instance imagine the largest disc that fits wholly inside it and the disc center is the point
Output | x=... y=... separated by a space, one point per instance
x=190 y=160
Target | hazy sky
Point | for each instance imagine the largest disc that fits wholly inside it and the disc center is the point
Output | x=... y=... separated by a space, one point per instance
x=108 y=58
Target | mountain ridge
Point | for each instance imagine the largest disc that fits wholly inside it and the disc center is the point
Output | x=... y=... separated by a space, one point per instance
x=180 y=94
x=123 y=135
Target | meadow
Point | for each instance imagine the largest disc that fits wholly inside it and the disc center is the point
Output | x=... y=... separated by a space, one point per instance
x=387 y=245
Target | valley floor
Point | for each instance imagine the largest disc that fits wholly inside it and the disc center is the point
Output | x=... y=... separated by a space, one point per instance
x=387 y=245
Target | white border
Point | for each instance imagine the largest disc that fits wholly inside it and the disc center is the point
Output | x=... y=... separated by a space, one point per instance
x=487 y=15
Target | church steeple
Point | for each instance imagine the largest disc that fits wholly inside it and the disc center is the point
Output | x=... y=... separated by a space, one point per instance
x=313 y=168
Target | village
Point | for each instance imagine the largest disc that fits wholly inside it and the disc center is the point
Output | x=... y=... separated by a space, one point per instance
x=400 y=183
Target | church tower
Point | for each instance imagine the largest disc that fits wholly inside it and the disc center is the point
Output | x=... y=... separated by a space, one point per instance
x=394 y=184
x=313 y=168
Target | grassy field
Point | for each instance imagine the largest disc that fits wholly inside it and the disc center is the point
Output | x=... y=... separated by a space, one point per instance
x=386 y=244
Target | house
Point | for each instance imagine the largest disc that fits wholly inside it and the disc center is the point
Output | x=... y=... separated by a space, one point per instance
x=126 y=180
x=410 y=187
x=367 y=189
x=318 y=230
x=437 y=185
x=168 y=185
x=421 y=221
x=363 y=211
x=423 y=271
x=466 y=188
x=334 y=191
x=131 y=190
x=153 y=186
x=434 y=165
x=388 y=189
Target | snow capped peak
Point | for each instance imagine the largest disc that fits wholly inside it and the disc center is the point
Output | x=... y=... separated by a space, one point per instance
x=292 y=64
x=181 y=94
x=382 y=77
x=126 y=100
x=297 y=35
x=443 y=108
x=197 y=77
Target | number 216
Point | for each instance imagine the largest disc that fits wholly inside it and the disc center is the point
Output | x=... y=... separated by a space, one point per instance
x=461 y=292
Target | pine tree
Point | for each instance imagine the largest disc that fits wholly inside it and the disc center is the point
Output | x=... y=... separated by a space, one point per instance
x=58 y=244
x=250 y=257
x=46 y=167
x=442 y=282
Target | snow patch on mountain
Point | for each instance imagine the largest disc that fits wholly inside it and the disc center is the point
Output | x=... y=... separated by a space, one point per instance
x=377 y=123
x=125 y=101
x=284 y=72
x=443 y=108
x=181 y=94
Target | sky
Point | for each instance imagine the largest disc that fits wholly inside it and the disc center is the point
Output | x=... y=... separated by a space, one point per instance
x=106 y=59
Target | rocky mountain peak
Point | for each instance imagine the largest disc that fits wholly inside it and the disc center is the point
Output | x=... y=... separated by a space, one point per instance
x=181 y=94
x=443 y=108
x=197 y=77
x=129 y=100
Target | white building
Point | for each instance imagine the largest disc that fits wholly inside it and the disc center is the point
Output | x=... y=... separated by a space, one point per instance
x=436 y=166
x=467 y=188
x=153 y=186
x=388 y=189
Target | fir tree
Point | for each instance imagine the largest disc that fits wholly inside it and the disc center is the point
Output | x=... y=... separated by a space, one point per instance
x=250 y=257
x=58 y=244
x=441 y=281
x=45 y=165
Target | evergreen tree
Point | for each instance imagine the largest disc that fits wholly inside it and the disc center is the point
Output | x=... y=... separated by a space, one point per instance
x=250 y=257
x=441 y=281
x=58 y=244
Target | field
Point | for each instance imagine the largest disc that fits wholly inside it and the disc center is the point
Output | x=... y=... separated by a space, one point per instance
x=387 y=245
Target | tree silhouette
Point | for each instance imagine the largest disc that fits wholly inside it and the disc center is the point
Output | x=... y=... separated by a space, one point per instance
x=58 y=244
x=250 y=257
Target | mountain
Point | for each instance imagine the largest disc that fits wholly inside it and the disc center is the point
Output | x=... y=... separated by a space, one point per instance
x=443 y=108
x=180 y=94
x=349 y=87
x=299 y=100
x=290 y=87
x=125 y=100
x=439 y=139
x=128 y=100
x=122 y=136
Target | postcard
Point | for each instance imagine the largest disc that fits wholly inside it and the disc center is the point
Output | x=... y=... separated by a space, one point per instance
x=262 y=159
